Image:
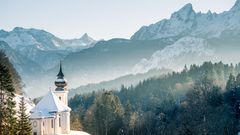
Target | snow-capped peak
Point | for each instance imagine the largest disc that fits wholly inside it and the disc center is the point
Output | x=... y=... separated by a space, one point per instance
x=18 y=29
x=187 y=8
x=38 y=45
x=85 y=36
x=236 y=6
x=186 y=22
x=43 y=40
x=185 y=13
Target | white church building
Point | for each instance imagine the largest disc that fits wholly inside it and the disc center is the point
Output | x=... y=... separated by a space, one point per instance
x=51 y=116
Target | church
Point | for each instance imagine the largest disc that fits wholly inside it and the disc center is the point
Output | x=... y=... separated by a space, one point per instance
x=51 y=116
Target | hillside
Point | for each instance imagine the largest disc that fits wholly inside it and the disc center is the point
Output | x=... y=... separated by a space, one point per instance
x=127 y=81
x=186 y=38
x=196 y=98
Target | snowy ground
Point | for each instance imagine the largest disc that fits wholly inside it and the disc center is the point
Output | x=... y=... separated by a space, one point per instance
x=76 y=133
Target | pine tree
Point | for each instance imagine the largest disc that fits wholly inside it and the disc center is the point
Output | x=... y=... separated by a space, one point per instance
x=108 y=113
x=231 y=83
x=127 y=116
x=7 y=104
x=23 y=123
x=75 y=121
x=2 y=110
x=230 y=95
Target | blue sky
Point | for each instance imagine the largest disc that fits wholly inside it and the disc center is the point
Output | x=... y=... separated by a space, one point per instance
x=101 y=19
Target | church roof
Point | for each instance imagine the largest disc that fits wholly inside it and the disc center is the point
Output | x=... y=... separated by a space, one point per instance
x=48 y=105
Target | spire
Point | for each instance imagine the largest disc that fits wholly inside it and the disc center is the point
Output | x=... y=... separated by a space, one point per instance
x=60 y=82
x=60 y=75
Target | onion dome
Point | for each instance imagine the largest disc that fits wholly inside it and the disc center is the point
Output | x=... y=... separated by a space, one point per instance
x=60 y=82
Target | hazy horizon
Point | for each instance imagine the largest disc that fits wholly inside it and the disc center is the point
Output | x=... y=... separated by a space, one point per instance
x=100 y=19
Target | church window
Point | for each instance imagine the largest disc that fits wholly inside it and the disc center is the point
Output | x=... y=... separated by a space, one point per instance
x=34 y=123
x=60 y=120
x=52 y=123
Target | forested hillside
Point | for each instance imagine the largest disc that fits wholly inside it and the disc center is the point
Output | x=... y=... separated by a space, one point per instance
x=199 y=100
x=13 y=117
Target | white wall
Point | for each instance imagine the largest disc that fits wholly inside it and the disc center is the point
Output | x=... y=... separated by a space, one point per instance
x=63 y=95
x=44 y=126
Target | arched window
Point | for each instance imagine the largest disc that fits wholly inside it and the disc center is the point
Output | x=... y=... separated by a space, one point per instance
x=35 y=124
x=59 y=120
x=52 y=123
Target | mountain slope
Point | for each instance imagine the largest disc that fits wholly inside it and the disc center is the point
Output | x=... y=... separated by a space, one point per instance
x=127 y=81
x=24 y=66
x=186 y=22
x=195 y=38
x=186 y=38
x=43 y=47
x=108 y=59
x=186 y=50
x=42 y=39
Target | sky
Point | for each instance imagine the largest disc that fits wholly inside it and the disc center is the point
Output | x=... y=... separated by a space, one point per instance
x=101 y=19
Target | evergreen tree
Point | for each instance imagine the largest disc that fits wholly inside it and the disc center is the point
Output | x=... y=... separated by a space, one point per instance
x=7 y=93
x=75 y=121
x=23 y=123
x=108 y=113
x=230 y=95
x=231 y=82
x=127 y=116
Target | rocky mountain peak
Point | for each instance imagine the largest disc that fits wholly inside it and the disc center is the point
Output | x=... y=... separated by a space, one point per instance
x=86 y=37
x=236 y=6
x=184 y=13
x=187 y=8
x=18 y=29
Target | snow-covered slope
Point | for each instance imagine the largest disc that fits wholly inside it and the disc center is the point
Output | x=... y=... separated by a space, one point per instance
x=42 y=47
x=186 y=22
x=34 y=51
x=186 y=50
x=23 y=65
x=42 y=40
x=75 y=44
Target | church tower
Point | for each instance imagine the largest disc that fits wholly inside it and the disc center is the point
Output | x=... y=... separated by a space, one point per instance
x=51 y=115
x=61 y=90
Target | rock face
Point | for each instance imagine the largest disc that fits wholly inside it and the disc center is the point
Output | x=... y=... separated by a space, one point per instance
x=42 y=47
x=186 y=22
x=187 y=49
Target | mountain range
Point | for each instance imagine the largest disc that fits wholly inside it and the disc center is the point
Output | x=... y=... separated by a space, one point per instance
x=185 y=38
x=186 y=22
x=42 y=47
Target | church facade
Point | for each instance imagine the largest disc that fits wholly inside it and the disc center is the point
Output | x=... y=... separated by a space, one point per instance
x=51 y=116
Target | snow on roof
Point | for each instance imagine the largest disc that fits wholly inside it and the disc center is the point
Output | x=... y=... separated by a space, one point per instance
x=49 y=104
x=41 y=114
